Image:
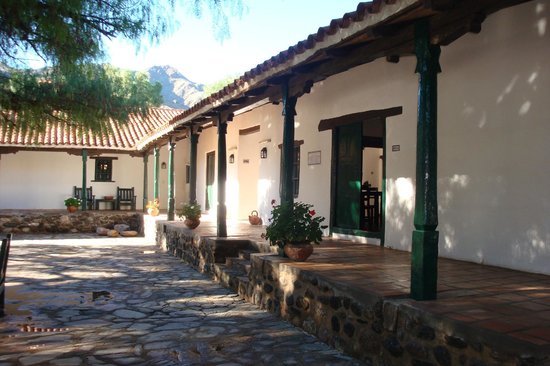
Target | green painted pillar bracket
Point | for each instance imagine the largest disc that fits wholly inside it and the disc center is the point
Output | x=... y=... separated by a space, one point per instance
x=156 y=166
x=425 y=237
x=289 y=111
x=145 y=179
x=171 y=206
x=222 y=178
x=193 y=167
x=84 y=204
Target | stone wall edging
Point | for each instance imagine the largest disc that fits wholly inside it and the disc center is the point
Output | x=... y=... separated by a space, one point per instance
x=31 y=222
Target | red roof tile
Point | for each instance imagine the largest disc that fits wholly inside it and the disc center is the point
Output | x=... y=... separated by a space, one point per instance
x=58 y=135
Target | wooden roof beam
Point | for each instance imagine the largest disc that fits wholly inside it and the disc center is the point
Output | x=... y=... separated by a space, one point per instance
x=440 y=5
x=453 y=31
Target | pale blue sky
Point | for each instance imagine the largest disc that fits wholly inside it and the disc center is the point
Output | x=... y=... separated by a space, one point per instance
x=265 y=29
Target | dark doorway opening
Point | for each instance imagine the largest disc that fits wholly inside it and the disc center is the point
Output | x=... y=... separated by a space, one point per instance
x=210 y=178
x=358 y=172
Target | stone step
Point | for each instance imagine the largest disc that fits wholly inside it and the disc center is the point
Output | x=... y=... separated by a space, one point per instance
x=245 y=253
x=244 y=289
x=238 y=264
x=263 y=247
x=232 y=279
x=226 y=276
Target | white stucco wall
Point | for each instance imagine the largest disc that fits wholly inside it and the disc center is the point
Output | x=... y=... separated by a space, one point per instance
x=181 y=188
x=258 y=180
x=494 y=135
x=42 y=180
x=208 y=142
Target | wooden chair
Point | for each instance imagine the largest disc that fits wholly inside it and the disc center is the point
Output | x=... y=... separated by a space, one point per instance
x=90 y=197
x=4 y=253
x=371 y=207
x=125 y=196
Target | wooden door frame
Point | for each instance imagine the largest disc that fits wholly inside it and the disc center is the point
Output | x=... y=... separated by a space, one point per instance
x=333 y=124
x=207 y=204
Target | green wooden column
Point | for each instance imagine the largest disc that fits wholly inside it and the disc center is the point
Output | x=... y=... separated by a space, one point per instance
x=222 y=177
x=171 y=208
x=193 y=167
x=84 y=204
x=156 y=165
x=289 y=111
x=425 y=237
x=145 y=178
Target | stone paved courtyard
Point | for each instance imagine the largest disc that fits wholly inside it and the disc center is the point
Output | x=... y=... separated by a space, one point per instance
x=90 y=301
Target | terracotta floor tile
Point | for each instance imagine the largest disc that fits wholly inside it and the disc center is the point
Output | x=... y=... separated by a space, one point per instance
x=537 y=294
x=529 y=338
x=528 y=319
x=504 y=310
x=462 y=317
x=501 y=326
x=510 y=297
x=530 y=305
x=543 y=333
x=480 y=314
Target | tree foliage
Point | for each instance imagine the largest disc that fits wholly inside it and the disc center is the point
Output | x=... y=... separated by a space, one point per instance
x=89 y=95
x=217 y=85
x=69 y=36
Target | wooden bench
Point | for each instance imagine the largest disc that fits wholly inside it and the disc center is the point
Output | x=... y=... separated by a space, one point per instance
x=90 y=198
x=4 y=253
x=126 y=197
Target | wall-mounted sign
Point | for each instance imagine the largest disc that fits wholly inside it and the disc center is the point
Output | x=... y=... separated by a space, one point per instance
x=395 y=147
x=314 y=157
x=246 y=161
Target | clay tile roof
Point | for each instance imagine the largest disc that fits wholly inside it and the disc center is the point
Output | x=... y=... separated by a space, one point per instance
x=59 y=135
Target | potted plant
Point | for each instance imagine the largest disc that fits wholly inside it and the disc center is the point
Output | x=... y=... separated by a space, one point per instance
x=192 y=213
x=153 y=207
x=73 y=203
x=293 y=227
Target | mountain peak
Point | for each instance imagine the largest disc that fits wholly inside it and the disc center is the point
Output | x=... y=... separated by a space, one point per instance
x=177 y=90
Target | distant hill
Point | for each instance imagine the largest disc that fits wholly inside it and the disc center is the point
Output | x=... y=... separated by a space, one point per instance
x=177 y=91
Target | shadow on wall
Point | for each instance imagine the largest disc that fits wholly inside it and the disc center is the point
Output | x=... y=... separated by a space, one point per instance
x=493 y=145
x=399 y=213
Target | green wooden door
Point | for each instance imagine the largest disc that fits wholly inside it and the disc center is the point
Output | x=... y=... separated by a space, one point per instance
x=210 y=177
x=349 y=160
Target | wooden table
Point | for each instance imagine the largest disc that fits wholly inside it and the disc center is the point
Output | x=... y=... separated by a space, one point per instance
x=110 y=201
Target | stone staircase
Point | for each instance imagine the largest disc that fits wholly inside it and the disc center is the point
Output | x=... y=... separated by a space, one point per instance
x=235 y=272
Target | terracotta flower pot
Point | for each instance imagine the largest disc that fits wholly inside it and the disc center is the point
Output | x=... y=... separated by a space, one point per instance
x=192 y=223
x=298 y=252
x=72 y=209
x=153 y=211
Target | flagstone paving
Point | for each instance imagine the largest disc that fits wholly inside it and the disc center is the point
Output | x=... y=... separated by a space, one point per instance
x=91 y=301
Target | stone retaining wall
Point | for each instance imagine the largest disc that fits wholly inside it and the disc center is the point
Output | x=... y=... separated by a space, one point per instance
x=57 y=221
x=376 y=330
x=379 y=331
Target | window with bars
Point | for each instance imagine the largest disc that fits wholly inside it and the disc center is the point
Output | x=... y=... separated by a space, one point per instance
x=103 y=170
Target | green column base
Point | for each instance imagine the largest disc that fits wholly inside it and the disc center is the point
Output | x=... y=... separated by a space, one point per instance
x=424 y=265
x=171 y=210
x=222 y=224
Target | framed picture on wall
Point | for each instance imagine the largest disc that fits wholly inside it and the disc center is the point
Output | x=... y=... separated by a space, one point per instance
x=314 y=158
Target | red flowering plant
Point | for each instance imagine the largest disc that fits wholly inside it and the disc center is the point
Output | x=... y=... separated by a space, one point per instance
x=293 y=223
